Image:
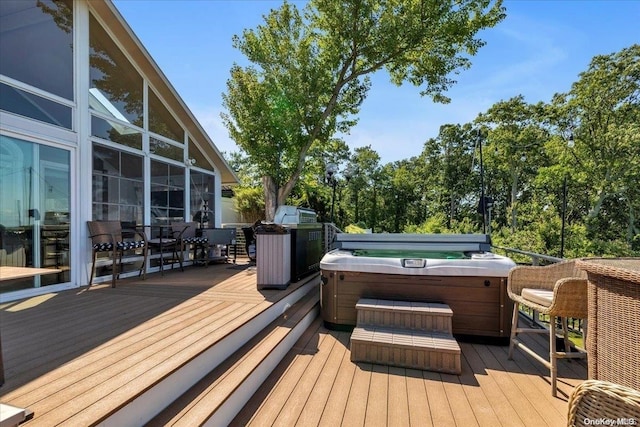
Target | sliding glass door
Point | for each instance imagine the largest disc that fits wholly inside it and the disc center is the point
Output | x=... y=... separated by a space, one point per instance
x=35 y=214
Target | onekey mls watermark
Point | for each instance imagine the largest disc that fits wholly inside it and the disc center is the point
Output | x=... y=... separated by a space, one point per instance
x=610 y=422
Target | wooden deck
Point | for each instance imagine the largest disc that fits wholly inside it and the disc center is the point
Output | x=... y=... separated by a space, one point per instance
x=75 y=354
x=317 y=385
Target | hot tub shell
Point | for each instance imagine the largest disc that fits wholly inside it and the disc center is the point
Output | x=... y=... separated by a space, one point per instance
x=474 y=288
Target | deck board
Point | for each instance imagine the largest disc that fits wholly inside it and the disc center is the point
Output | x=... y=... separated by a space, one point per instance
x=398 y=406
x=518 y=388
x=355 y=411
x=281 y=390
x=491 y=391
x=317 y=401
x=377 y=399
x=439 y=407
x=339 y=393
x=483 y=411
x=305 y=385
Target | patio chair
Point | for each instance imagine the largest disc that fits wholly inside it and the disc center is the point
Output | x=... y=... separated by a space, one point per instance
x=596 y=400
x=250 y=243
x=557 y=290
x=170 y=242
x=107 y=236
x=188 y=231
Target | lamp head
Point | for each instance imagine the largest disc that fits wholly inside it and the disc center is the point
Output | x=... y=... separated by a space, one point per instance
x=331 y=170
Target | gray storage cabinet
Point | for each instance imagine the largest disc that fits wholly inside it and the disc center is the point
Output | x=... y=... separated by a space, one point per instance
x=273 y=259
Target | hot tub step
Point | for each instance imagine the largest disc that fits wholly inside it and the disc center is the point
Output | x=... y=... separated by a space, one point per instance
x=420 y=316
x=405 y=348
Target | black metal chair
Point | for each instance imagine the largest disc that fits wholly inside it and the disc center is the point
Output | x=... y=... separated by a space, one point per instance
x=169 y=240
x=107 y=236
x=250 y=242
x=189 y=237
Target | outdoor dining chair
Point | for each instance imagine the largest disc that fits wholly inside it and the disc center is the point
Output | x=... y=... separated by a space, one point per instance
x=169 y=241
x=557 y=290
x=190 y=238
x=107 y=236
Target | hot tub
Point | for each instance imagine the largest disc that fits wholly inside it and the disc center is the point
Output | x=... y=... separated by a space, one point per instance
x=458 y=270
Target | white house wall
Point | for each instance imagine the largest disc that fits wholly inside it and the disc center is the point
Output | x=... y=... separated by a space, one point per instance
x=78 y=141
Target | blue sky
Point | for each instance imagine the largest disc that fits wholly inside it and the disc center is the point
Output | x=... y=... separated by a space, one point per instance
x=538 y=50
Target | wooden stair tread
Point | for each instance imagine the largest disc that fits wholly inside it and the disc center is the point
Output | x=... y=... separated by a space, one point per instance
x=121 y=375
x=404 y=338
x=198 y=404
x=404 y=306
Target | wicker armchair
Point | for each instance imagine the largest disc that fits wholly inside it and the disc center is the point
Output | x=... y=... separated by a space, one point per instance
x=596 y=400
x=557 y=290
x=107 y=236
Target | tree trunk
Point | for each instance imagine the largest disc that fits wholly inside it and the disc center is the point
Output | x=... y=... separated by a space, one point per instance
x=595 y=211
x=514 y=199
x=274 y=196
x=270 y=197
x=632 y=230
x=602 y=194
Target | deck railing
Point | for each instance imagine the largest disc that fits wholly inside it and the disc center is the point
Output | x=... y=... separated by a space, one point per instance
x=329 y=230
x=535 y=259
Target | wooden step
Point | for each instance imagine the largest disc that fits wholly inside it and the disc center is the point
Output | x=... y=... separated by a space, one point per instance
x=220 y=395
x=416 y=349
x=421 y=316
x=11 y=416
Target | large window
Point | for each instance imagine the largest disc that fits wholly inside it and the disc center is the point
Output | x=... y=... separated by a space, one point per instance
x=118 y=189
x=115 y=86
x=33 y=106
x=196 y=155
x=36 y=41
x=161 y=121
x=202 y=198
x=167 y=193
x=116 y=132
x=36 y=45
x=166 y=149
x=35 y=212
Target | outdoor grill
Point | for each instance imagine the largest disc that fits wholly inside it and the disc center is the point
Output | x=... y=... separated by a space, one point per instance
x=306 y=239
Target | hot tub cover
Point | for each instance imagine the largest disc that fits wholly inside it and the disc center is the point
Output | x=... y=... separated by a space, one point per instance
x=482 y=264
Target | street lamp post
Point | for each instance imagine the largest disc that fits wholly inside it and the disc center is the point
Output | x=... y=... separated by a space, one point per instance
x=570 y=144
x=485 y=202
x=330 y=173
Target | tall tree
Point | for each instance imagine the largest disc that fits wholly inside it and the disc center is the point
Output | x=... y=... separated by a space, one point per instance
x=365 y=164
x=310 y=71
x=515 y=140
x=604 y=105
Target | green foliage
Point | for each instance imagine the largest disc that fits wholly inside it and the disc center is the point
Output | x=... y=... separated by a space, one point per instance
x=249 y=203
x=310 y=72
x=537 y=180
x=355 y=229
x=433 y=225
